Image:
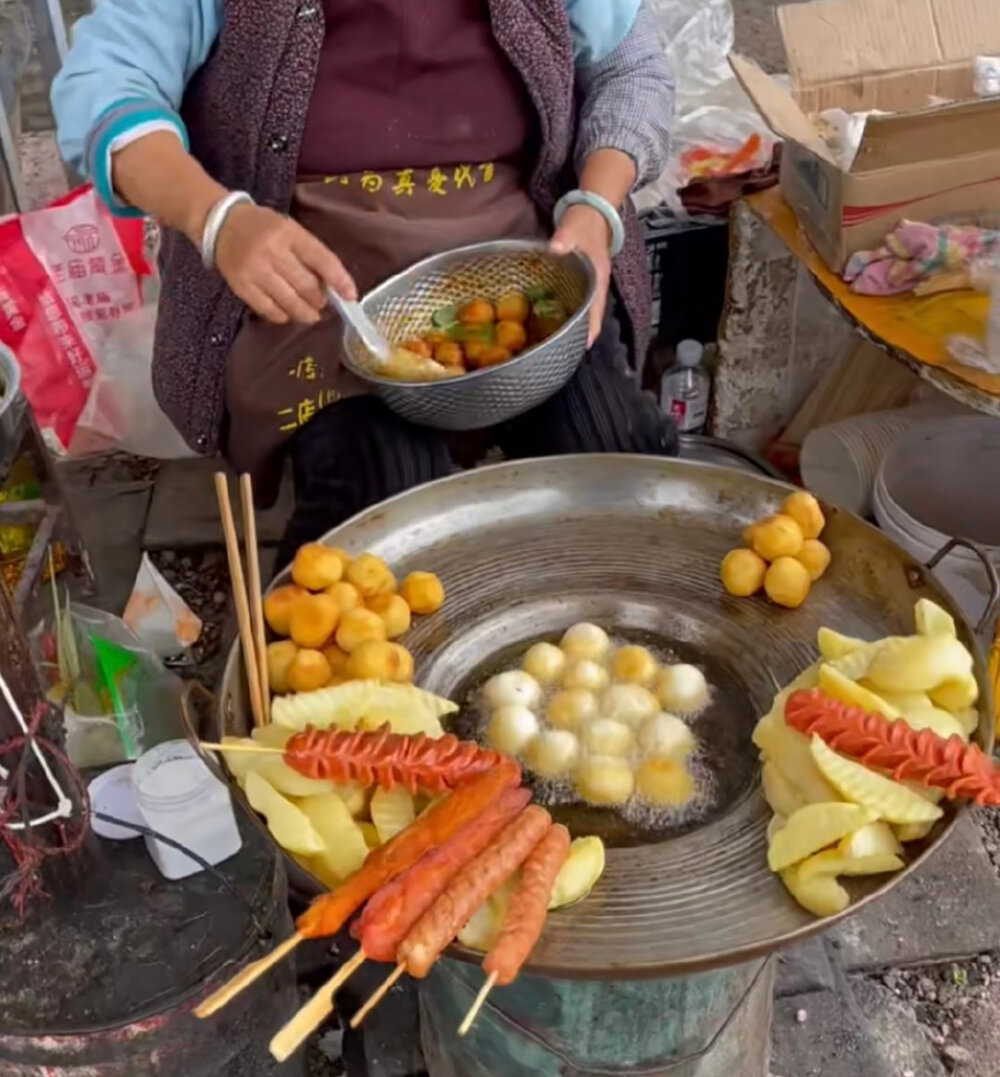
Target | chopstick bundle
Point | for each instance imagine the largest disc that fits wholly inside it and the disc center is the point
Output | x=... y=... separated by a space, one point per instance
x=251 y=636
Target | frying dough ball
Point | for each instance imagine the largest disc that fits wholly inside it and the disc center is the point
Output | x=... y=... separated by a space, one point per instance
x=571 y=708
x=278 y=606
x=316 y=566
x=742 y=573
x=628 y=703
x=603 y=779
x=586 y=641
x=511 y=728
x=682 y=689
x=665 y=736
x=394 y=613
x=787 y=583
x=777 y=536
x=337 y=658
x=635 y=665
x=377 y=660
x=424 y=592
x=664 y=783
x=545 y=662
x=805 y=511
x=308 y=671
x=280 y=656
x=512 y=688
x=582 y=673
x=605 y=736
x=313 y=620
x=357 y=627
x=371 y=576
x=346 y=595
x=513 y=307
x=553 y=753
x=815 y=557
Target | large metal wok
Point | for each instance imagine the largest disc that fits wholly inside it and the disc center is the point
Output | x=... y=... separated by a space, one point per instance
x=525 y=549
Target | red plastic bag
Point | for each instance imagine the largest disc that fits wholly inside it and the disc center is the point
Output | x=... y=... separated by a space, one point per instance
x=68 y=273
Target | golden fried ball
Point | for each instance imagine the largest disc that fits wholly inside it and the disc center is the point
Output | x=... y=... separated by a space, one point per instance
x=478 y=312
x=513 y=307
x=545 y=662
x=336 y=657
x=278 y=606
x=777 y=536
x=357 y=627
x=605 y=780
x=308 y=671
x=346 y=595
x=742 y=573
x=512 y=336
x=664 y=783
x=787 y=583
x=378 y=660
x=571 y=708
x=317 y=567
x=314 y=620
x=371 y=576
x=394 y=612
x=423 y=592
x=279 y=657
x=634 y=665
x=804 y=509
x=586 y=640
x=815 y=557
x=582 y=673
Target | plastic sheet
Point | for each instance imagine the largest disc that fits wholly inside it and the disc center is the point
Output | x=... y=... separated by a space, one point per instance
x=717 y=130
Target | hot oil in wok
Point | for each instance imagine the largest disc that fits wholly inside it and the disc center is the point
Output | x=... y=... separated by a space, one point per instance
x=725 y=765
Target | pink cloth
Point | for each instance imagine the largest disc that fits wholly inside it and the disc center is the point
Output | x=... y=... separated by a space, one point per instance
x=914 y=252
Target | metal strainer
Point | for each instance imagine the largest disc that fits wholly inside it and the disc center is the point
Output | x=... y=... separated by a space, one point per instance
x=403 y=307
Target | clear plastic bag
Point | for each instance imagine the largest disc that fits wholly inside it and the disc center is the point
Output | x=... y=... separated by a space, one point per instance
x=716 y=129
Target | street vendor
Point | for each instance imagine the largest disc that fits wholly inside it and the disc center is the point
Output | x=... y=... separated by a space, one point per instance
x=290 y=147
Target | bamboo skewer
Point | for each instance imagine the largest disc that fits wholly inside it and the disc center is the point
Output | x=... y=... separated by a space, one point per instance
x=236 y=746
x=291 y=1037
x=246 y=976
x=256 y=594
x=378 y=994
x=240 y=596
x=473 y=1013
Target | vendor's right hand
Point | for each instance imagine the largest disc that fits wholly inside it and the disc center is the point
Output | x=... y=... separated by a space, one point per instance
x=276 y=267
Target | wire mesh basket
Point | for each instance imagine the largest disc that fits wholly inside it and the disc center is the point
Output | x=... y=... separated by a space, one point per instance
x=404 y=306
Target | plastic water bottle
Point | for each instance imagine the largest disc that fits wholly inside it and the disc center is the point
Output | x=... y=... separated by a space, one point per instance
x=685 y=389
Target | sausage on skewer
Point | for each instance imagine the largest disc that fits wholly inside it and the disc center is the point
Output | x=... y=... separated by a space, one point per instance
x=328 y=914
x=480 y=878
x=528 y=907
x=391 y=913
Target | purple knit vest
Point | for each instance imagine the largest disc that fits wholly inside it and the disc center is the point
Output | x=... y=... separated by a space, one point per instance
x=246 y=121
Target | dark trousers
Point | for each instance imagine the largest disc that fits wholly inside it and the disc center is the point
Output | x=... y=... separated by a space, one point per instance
x=357 y=452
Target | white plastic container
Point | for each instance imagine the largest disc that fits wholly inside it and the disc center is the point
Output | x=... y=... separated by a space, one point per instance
x=179 y=797
x=839 y=462
x=937 y=482
x=685 y=389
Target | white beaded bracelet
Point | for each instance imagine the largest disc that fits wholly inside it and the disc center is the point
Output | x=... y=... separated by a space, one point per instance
x=603 y=207
x=215 y=220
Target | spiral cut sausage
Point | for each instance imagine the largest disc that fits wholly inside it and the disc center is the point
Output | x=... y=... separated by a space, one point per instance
x=528 y=907
x=480 y=878
x=388 y=759
x=392 y=912
x=963 y=771
x=328 y=914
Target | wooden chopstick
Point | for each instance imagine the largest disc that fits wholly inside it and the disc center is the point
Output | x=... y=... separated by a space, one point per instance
x=240 y=596
x=256 y=593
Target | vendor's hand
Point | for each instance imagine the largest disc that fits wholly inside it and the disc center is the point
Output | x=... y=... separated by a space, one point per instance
x=583 y=229
x=276 y=267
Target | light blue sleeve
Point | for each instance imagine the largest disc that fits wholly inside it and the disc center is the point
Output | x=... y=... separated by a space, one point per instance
x=128 y=66
x=599 y=27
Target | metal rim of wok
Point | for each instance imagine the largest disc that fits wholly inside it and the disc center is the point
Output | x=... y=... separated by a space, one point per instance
x=640 y=539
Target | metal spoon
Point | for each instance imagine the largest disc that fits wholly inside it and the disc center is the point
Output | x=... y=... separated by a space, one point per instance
x=354 y=315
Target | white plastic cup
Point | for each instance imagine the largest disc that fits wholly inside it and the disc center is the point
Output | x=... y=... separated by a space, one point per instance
x=179 y=797
x=111 y=793
x=840 y=462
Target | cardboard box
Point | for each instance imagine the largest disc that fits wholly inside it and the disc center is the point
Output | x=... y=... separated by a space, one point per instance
x=926 y=161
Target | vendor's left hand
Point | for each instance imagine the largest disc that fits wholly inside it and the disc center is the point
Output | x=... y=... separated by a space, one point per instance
x=584 y=229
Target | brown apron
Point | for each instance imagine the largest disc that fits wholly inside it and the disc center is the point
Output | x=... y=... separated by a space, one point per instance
x=379 y=223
